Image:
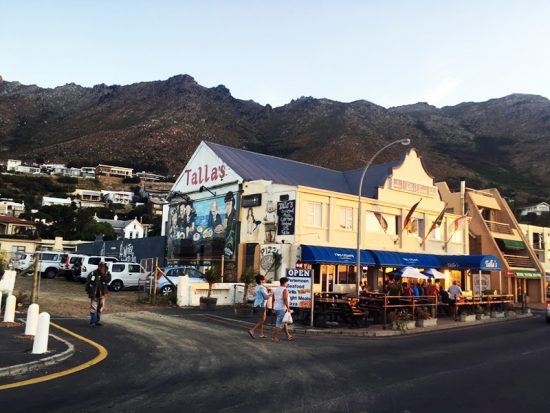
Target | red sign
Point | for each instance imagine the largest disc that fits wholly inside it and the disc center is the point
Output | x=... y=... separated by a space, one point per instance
x=204 y=174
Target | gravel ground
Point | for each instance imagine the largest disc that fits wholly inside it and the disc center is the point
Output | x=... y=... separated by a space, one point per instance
x=65 y=298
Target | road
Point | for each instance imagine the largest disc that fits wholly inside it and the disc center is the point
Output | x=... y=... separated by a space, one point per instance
x=195 y=363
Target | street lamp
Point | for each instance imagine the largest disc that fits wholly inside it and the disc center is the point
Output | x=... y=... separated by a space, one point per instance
x=404 y=142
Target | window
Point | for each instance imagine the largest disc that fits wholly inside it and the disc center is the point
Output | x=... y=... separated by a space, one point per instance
x=49 y=257
x=110 y=259
x=457 y=237
x=346 y=218
x=18 y=251
x=117 y=267
x=417 y=227
x=314 y=214
x=94 y=260
x=134 y=267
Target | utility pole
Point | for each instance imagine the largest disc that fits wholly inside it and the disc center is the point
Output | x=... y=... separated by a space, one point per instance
x=35 y=281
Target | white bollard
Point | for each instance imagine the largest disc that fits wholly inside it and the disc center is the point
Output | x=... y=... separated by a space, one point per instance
x=32 y=320
x=1 y=295
x=9 y=311
x=40 y=345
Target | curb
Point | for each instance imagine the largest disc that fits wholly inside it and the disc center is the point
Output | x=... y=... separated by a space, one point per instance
x=19 y=369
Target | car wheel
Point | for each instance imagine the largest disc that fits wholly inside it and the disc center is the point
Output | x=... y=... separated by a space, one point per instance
x=50 y=273
x=167 y=290
x=116 y=285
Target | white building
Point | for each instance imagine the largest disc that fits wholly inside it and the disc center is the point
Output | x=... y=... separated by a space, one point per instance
x=12 y=165
x=88 y=171
x=539 y=239
x=129 y=229
x=12 y=208
x=50 y=200
x=118 y=197
x=539 y=209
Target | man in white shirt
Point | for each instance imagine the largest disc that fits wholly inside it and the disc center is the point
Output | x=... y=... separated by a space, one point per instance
x=454 y=293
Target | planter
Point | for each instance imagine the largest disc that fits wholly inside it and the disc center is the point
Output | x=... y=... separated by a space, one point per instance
x=467 y=318
x=483 y=316
x=497 y=314
x=510 y=314
x=406 y=325
x=208 y=303
x=430 y=322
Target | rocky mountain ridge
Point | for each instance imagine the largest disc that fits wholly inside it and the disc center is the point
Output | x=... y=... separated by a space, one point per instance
x=157 y=125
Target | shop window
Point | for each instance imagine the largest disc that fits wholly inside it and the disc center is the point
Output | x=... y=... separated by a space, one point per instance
x=346 y=218
x=314 y=214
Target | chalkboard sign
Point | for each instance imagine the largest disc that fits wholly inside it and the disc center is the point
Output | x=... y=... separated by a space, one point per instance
x=286 y=213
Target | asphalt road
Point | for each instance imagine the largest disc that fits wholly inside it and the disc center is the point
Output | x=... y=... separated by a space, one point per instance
x=194 y=363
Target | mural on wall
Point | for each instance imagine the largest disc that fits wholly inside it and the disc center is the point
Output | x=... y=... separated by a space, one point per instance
x=252 y=223
x=204 y=223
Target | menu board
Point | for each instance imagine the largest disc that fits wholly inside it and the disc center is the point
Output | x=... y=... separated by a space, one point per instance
x=286 y=216
x=299 y=287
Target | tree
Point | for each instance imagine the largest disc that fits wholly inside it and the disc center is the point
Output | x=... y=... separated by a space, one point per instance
x=93 y=229
x=212 y=276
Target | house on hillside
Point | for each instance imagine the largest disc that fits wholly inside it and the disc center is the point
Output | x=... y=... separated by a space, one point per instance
x=126 y=228
x=9 y=207
x=118 y=197
x=110 y=170
x=16 y=227
x=539 y=209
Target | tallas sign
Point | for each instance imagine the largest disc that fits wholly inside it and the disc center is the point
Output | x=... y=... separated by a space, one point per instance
x=205 y=168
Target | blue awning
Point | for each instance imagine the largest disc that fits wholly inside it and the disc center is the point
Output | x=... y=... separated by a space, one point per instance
x=406 y=259
x=330 y=255
x=471 y=262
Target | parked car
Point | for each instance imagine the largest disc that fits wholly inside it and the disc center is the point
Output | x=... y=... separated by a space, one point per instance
x=125 y=275
x=164 y=286
x=23 y=261
x=71 y=265
x=49 y=263
x=89 y=264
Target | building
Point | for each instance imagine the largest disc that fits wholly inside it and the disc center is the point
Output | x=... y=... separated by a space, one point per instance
x=148 y=176
x=250 y=210
x=10 y=207
x=539 y=209
x=16 y=227
x=118 y=197
x=53 y=168
x=50 y=200
x=110 y=170
x=88 y=195
x=87 y=172
x=13 y=164
x=126 y=228
x=495 y=230
x=539 y=239
x=15 y=247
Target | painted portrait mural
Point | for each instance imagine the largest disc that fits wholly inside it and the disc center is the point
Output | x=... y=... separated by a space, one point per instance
x=203 y=229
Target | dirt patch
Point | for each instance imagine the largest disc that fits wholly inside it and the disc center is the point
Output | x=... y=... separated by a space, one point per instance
x=60 y=297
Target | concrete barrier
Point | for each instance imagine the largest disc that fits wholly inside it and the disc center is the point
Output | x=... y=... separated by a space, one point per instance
x=32 y=320
x=7 y=283
x=9 y=311
x=40 y=344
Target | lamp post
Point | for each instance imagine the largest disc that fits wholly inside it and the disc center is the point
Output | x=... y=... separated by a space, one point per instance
x=403 y=142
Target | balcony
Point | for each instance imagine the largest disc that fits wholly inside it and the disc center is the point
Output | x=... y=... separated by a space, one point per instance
x=519 y=261
x=499 y=227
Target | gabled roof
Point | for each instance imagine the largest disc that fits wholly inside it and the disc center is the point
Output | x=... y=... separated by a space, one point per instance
x=117 y=223
x=8 y=219
x=251 y=166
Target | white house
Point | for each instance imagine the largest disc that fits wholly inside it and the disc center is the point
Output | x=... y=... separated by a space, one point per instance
x=118 y=197
x=125 y=229
x=13 y=164
x=50 y=200
x=539 y=209
x=10 y=207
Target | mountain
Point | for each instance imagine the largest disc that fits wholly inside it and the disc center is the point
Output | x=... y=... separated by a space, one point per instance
x=156 y=125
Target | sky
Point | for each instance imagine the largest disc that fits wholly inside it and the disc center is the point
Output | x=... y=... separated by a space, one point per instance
x=388 y=52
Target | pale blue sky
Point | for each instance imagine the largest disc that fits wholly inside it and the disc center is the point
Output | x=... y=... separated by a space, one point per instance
x=388 y=52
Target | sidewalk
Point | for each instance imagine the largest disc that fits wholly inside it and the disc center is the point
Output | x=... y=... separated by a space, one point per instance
x=16 y=352
x=373 y=330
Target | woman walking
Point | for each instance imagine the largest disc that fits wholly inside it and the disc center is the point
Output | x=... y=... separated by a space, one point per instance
x=260 y=298
x=281 y=305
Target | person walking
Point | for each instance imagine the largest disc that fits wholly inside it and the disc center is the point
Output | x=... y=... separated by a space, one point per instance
x=454 y=293
x=281 y=305
x=96 y=287
x=261 y=295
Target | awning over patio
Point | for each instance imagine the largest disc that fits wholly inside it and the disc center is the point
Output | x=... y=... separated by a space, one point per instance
x=510 y=244
x=346 y=256
x=330 y=255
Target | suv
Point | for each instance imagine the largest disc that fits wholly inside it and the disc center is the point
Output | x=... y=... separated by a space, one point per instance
x=71 y=265
x=125 y=274
x=23 y=262
x=49 y=263
x=89 y=264
x=164 y=286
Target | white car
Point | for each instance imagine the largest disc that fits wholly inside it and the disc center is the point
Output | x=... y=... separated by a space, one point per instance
x=165 y=287
x=125 y=274
x=23 y=262
x=49 y=263
x=68 y=268
x=90 y=263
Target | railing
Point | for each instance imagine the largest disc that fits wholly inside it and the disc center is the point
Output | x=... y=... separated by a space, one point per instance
x=519 y=261
x=499 y=227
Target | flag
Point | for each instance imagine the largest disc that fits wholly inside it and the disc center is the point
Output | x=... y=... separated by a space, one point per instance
x=455 y=225
x=408 y=219
x=436 y=223
x=382 y=221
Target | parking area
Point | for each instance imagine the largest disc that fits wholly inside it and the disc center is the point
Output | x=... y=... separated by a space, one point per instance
x=64 y=298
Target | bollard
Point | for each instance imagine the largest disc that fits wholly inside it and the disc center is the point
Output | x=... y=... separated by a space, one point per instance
x=9 y=311
x=40 y=345
x=1 y=295
x=32 y=320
